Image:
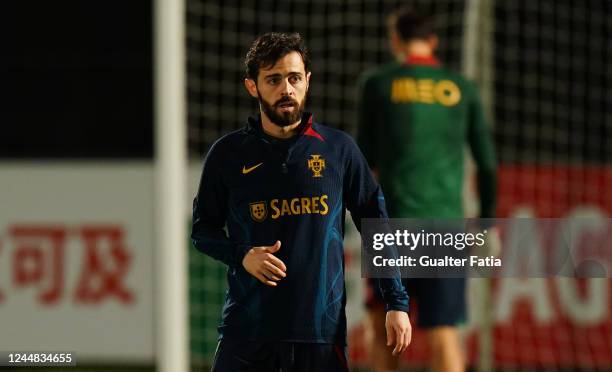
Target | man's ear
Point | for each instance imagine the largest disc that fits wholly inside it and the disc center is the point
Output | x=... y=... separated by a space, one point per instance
x=308 y=79
x=433 y=42
x=251 y=87
x=395 y=44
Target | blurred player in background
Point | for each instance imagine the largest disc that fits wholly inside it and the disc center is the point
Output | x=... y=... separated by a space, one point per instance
x=280 y=185
x=415 y=118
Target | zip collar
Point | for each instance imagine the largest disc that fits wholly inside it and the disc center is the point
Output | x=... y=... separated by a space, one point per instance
x=304 y=129
x=422 y=61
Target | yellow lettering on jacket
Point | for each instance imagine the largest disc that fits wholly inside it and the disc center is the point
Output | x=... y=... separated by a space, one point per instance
x=299 y=206
x=427 y=91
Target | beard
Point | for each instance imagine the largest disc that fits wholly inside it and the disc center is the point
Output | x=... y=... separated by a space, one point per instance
x=280 y=118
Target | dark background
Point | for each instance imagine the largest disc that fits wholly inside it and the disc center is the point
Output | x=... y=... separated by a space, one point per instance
x=76 y=79
x=553 y=81
x=77 y=82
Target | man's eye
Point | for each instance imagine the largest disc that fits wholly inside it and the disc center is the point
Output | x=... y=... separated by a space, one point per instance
x=295 y=79
x=273 y=81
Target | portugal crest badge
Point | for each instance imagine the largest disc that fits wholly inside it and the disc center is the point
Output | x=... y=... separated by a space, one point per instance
x=259 y=212
x=316 y=165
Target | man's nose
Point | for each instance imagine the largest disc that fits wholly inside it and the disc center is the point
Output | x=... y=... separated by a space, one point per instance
x=287 y=89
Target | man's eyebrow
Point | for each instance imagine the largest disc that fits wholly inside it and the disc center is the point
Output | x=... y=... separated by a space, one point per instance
x=272 y=75
x=293 y=73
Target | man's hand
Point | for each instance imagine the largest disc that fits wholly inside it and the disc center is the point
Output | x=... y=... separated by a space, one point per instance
x=262 y=264
x=399 y=330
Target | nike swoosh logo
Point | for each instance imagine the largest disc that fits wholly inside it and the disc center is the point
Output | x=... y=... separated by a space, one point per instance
x=246 y=170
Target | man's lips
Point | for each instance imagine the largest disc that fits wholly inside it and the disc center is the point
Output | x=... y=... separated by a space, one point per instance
x=286 y=106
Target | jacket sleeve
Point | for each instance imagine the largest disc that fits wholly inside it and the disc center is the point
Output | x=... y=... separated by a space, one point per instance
x=482 y=149
x=364 y=199
x=210 y=213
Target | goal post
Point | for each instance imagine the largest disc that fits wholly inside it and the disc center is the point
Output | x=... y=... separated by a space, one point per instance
x=170 y=289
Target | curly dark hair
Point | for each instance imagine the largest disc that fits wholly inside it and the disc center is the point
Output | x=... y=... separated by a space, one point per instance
x=268 y=48
x=410 y=24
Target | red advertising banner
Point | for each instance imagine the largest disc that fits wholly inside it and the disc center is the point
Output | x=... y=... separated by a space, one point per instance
x=561 y=321
x=538 y=322
x=76 y=260
x=37 y=255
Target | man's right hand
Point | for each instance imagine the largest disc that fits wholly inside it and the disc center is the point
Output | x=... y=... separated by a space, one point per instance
x=262 y=264
x=399 y=330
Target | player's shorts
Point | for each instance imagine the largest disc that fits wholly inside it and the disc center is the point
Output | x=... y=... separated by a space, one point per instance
x=251 y=356
x=440 y=301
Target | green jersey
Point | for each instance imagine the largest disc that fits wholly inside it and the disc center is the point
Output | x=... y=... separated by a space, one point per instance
x=415 y=120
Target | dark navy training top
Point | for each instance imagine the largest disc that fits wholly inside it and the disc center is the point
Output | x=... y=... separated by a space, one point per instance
x=295 y=191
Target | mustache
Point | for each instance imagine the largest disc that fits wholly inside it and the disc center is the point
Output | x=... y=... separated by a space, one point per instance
x=285 y=100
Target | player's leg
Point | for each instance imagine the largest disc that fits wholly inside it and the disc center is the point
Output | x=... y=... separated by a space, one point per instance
x=245 y=356
x=441 y=309
x=446 y=350
x=308 y=357
x=376 y=334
